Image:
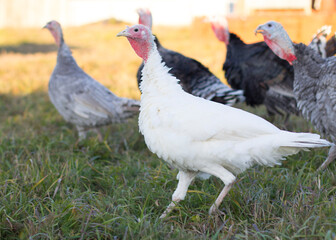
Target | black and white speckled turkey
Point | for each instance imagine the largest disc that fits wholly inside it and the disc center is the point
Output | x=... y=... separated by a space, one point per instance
x=314 y=80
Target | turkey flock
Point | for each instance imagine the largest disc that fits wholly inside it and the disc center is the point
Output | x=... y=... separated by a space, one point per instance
x=186 y=113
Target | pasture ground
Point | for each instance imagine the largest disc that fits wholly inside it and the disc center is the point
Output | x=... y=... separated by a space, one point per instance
x=53 y=187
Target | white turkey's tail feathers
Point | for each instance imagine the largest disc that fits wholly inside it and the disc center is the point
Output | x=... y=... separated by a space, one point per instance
x=306 y=140
x=270 y=149
x=282 y=145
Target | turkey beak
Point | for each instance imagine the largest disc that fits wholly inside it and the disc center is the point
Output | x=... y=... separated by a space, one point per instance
x=45 y=26
x=259 y=30
x=123 y=33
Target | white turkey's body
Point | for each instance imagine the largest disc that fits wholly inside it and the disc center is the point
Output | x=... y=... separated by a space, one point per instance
x=192 y=133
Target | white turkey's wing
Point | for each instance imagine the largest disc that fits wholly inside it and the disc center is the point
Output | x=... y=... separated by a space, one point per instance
x=165 y=105
x=204 y=120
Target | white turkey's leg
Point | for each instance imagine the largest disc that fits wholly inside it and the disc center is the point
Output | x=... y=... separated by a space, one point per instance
x=227 y=177
x=220 y=198
x=185 y=178
x=331 y=157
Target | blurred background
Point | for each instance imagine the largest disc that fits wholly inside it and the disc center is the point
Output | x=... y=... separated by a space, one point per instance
x=300 y=17
x=28 y=53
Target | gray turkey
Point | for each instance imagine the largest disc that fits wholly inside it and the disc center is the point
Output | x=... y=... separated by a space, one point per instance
x=314 y=80
x=80 y=99
x=194 y=78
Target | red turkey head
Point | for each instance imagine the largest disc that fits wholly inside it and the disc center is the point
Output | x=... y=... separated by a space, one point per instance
x=278 y=40
x=55 y=29
x=141 y=39
x=220 y=27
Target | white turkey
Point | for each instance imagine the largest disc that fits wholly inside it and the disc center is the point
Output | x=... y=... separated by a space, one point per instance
x=79 y=98
x=314 y=81
x=198 y=136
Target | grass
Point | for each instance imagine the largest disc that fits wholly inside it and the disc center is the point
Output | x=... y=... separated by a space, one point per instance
x=53 y=187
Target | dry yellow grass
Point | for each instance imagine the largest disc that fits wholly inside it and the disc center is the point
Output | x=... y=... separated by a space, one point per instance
x=28 y=56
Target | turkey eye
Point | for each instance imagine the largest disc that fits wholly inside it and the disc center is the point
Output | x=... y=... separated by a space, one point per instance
x=135 y=30
x=269 y=25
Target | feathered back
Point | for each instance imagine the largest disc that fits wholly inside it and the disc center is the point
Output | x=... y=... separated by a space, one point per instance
x=314 y=88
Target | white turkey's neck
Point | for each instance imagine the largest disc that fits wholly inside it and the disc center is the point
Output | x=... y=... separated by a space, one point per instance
x=155 y=76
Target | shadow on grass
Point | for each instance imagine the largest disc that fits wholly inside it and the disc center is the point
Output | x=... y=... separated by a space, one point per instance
x=33 y=116
x=32 y=113
x=29 y=48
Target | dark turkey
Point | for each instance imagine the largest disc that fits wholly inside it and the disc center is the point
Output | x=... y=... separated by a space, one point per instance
x=331 y=46
x=264 y=77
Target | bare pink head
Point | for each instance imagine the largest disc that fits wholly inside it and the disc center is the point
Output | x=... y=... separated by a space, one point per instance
x=141 y=39
x=220 y=27
x=278 y=40
x=55 y=28
x=145 y=17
